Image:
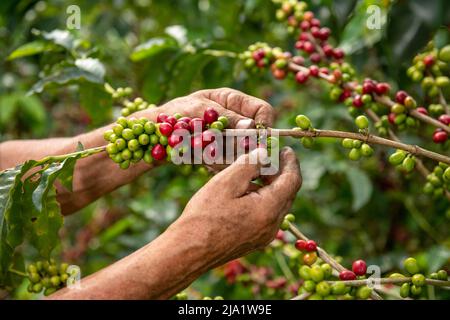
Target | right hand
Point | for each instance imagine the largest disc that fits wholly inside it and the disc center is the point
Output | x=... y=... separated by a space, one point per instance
x=231 y=217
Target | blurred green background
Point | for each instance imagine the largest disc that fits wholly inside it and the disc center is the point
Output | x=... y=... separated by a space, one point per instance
x=364 y=210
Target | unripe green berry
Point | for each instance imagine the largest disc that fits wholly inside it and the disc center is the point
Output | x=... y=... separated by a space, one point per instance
x=126 y=154
x=309 y=286
x=32 y=268
x=133 y=145
x=127 y=134
x=117 y=129
x=357 y=144
x=55 y=281
x=405 y=290
x=144 y=139
x=398 y=108
x=163 y=140
x=323 y=288
x=284 y=225
x=442 y=275
x=138 y=129
x=37 y=287
x=347 y=143
x=303 y=122
x=317 y=274
x=363 y=292
x=289 y=217
x=307 y=142
x=224 y=121
x=34 y=277
x=125 y=164
x=442 y=81
x=397 y=158
x=410 y=102
x=111 y=148
x=366 y=150
x=415 y=291
x=138 y=154
x=408 y=164
x=327 y=270
x=154 y=139
x=305 y=272
x=113 y=138
x=149 y=127
x=339 y=288
x=411 y=266
x=354 y=154
x=122 y=121
x=418 y=280
x=49 y=291
x=107 y=134
x=315 y=296
x=362 y=122
x=218 y=125
x=148 y=157
x=120 y=144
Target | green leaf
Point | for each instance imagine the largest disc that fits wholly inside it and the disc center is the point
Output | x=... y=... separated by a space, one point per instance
x=361 y=187
x=30 y=49
x=356 y=35
x=11 y=218
x=66 y=173
x=96 y=101
x=90 y=70
x=42 y=225
x=8 y=105
x=152 y=47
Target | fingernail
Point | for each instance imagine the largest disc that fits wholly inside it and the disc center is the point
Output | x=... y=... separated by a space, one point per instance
x=245 y=124
x=259 y=155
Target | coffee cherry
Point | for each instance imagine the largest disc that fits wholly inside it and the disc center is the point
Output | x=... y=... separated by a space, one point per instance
x=303 y=122
x=289 y=217
x=366 y=150
x=305 y=272
x=138 y=129
x=418 y=280
x=442 y=275
x=354 y=154
x=49 y=291
x=127 y=134
x=301 y=77
x=445 y=119
x=144 y=139
x=163 y=140
x=400 y=96
x=197 y=125
x=408 y=164
x=210 y=115
x=362 y=122
x=357 y=101
x=217 y=125
x=55 y=281
x=162 y=117
x=124 y=164
x=316 y=274
x=411 y=266
x=327 y=270
x=347 y=143
x=382 y=88
x=165 y=129
x=301 y=245
x=154 y=139
x=347 y=275
x=415 y=291
x=338 y=53
x=133 y=145
x=440 y=136
x=120 y=144
x=34 y=277
x=323 y=288
x=314 y=70
x=359 y=267
x=309 y=286
x=149 y=127
x=309 y=258
x=284 y=225
x=159 y=152
x=434 y=276
x=148 y=157
x=397 y=158
x=405 y=290
x=398 y=108
x=363 y=292
x=338 y=288
x=311 y=246
x=111 y=148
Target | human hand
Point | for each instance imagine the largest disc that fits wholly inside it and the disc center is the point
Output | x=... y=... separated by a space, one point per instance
x=230 y=216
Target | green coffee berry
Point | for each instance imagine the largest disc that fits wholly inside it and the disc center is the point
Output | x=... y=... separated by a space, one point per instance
x=303 y=122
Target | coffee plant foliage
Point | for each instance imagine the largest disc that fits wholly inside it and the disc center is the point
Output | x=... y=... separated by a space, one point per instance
x=59 y=82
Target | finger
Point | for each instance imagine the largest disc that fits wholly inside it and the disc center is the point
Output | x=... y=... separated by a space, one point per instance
x=285 y=186
x=241 y=103
x=236 y=180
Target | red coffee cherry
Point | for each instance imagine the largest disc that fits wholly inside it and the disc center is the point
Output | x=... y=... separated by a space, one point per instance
x=328 y=50
x=300 y=245
x=197 y=141
x=440 y=136
x=359 y=267
x=210 y=115
x=185 y=119
x=445 y=119
x=308 y=47
x=279 y=74
x=165 y=129
x=181 y=125
x=299 y=45
x=429 y=60
x=382 y=88
x=311 y=245
x=301 y=76
x=400 y=96
x=338 y=53
x=315 y=22
x=172 y=120
x=314 y=70
x=305 y=25
x=347 y=275
x=391 y=118
x=197 y=124
x=422 y=110
x=208 y=136
x=174 y=140
x=159 y=152
x=324 y=33
x=162 y=117
x=357 y=101
x=298 y=60
x=368 y=87
x=258 y=54
x=315 y=57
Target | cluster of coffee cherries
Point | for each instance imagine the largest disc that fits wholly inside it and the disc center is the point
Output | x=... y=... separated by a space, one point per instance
x=131 y=139
x=358 y=148
x=47 y=276
x=429 y=69
x=138 y=104
x=438 y=181
x=414 y=288
x=119 y=93
x=304 y=124
x=403 y=161
x=439 y=135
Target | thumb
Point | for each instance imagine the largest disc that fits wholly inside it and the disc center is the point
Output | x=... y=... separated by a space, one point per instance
x=237 y=121
x=236 y=180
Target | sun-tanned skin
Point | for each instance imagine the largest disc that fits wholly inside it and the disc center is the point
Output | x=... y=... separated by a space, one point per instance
x=226 y=219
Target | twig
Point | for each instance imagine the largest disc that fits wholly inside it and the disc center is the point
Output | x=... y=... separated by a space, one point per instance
x=364 y=282
x=18 y=273
x=367 y=138
x=302 y=296
x=443 y=102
